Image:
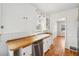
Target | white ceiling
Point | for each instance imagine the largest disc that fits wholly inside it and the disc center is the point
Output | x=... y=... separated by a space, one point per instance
x=54 y=7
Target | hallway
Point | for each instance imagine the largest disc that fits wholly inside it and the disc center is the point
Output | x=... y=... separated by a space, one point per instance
x=58 y=48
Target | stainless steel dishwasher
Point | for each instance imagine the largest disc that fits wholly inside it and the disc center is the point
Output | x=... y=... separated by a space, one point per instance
x=37 y=48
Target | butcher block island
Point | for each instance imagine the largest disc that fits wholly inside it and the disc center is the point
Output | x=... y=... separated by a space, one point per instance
x=34 y=45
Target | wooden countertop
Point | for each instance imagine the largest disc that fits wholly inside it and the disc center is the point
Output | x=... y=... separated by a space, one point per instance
x=15 y=44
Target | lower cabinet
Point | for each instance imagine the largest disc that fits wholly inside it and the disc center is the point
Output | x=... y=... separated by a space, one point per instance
x=45 y=48
x=26 y=51
x=46 y=44
x=36 y=49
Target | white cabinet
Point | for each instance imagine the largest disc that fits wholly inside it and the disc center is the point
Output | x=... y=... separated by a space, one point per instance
x=43 y=23
x=17 y=18
x=46 y=44
x=50 y=40
x=27 y=51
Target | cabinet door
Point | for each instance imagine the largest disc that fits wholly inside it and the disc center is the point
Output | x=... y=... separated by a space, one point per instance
x=45 y=45
x=49 y=42
x=27 y=51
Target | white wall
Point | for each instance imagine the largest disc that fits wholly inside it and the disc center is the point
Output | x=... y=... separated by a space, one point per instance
x=71 y=25
x=78 y=30
x=13 y=18
x=0 y=18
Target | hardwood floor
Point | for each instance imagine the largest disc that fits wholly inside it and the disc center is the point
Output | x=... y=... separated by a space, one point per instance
x=58 y=48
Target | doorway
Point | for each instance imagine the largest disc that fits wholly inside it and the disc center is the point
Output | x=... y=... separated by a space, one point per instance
x=61 y=28
x=61 y=32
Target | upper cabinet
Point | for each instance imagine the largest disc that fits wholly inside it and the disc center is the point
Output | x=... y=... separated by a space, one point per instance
x=43 y=23
x=19 y=18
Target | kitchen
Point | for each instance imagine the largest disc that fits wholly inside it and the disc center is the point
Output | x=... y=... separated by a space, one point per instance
x=24 y=25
